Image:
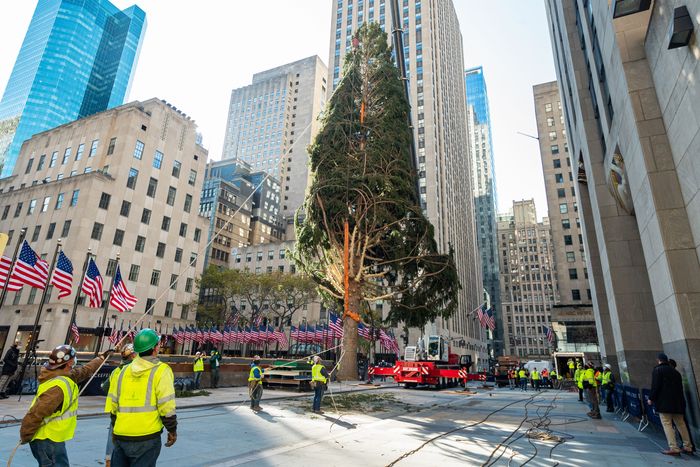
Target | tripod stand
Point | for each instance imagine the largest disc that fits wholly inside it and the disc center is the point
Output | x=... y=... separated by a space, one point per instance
x=30 y=358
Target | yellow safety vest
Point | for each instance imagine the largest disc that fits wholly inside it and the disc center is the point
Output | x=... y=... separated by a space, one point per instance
x=136 y=403
x=60 y=425
x=199 y=365
x=535 y=374
x=571 y=365
x=251 y=376
x=316 y=373
x=108 y=401
x=606 y=377
x=521 y=374
x=590 y=377
x=578 y=377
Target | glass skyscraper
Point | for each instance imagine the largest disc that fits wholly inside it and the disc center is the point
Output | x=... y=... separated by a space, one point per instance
x=77 y=59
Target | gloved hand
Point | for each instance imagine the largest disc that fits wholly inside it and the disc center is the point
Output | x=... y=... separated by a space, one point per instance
x=107 y=353
x=172 y=437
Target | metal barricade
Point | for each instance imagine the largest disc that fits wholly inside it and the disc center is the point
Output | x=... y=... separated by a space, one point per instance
x=651 y=413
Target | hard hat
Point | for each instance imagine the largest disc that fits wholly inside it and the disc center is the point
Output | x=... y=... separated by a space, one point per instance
x=145 y=340
x=256 y=358
x=607 y=365
x=60 y=356
x=317 y=359
x=127 y=350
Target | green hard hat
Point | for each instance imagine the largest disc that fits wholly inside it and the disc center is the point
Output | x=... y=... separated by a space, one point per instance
x=145 y=340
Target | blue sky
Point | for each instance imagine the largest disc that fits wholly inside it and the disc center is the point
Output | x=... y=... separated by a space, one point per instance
x=194 y=53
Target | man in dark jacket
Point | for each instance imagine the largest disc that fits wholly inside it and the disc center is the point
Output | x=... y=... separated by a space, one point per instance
x=9 y=368
x=667 y=396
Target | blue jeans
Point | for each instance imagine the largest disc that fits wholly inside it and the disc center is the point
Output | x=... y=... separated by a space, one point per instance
x=49 y=453
x=318 y=395
x=523 y=384
x=197 y=377
x=136 y=453
x=110 y=442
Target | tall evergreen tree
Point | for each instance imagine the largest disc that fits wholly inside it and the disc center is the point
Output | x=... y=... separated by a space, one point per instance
x=363 y=175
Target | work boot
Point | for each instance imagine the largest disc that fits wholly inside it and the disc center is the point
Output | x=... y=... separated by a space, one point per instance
x=688 y=451
x=257 y=408
x=320 y=412
x=671 y=452
x=108 y=462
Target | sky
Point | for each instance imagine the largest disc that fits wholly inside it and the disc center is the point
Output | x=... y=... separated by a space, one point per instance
x=195 y=53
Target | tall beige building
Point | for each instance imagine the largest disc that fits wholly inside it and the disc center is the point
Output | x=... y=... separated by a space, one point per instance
x=126 y=182
x=572 y=315
x=528 y=281
x=435 y=67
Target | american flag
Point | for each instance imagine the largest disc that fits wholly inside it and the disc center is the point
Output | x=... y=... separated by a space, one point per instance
x=179 y=335
x=92 y=285
x=258 y=321
x=294 y=332
x=114 y=335
x=336 y=325
x=281 y=337
x=121 y=299
x=363 y=331
x=76 y=333
x=490 y=319
x=549 y=332
x=5 y=265
x=30 y=269
x=481 y=314
x=63 y=276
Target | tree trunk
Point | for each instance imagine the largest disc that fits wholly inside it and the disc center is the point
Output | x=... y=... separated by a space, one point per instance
x=347 y=370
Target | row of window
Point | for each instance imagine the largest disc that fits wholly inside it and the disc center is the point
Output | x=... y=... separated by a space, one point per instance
x=259 y=255
x=67 y=155
x=98 y=229
x=31 y=206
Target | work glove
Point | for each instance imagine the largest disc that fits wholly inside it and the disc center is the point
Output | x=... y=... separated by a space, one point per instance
x=172 y=437
x=107 y=353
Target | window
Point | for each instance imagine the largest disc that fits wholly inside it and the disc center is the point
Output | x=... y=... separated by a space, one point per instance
x=588 y=293
x=171 y=196
x=140 y=243
x=74 y=198
x=134 y=272
x=197 y=234
x=553 y=136
x=193 y=258
x=133 y=176
x=565 y=224
x=42 y=159
x=169 y=309
x=118 y=237
x=111 y=268
x=573 y=274
x=18 y=209
x=32 y=207
x=29 y=165
x=575 y=294
x=183 y=229
x=550 y=121
x=150 y=303
x=37 y=231
x=561 y=192
x=556 y=163
x=559 y=178
x=173 y=281
x=93 y=147
x=158 y=159
x=54 y=156
x=152 y=186
x=66 y=156
x=176 y=169
x=79 y=153
x=165 y=224
x=178 y=255
x=104 y=200
x=188 y=203
x=563 y=208
x=160 y=250
x=45 y=204
x=52 y=229
x=66 y=229
x=155 y=277
x=146 y=216
x=5 y=212
x=97 y=231
x=282 y=253
x=570 y=257
x=126 y=207
x=138 y=150
x=568 y=240
x=110 y=148
x=548 y=107
x=188 y=284
x=193 y=177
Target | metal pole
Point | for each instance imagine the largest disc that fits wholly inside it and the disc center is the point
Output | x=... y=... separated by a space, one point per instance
x=22 y=234
x=76 y=300
x=105 y=306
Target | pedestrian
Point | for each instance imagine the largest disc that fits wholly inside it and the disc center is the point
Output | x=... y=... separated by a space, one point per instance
x=142 y=404
x=535 y=375
x=522 y=375
x=255 y=387
x=128 y=356
x=198 y=368
x=53 y=414
x=215 y=363
x=319 y=378
x=608 y=383
x=545 y=377
x=511 y=379
x=578 y=379
x=668 y=398
x=9 y=367
x=591 y=386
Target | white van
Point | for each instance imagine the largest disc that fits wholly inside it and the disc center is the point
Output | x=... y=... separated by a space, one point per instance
x=539 y=364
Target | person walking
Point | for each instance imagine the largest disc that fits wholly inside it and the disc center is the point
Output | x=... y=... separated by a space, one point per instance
x=319 y=377
x=255 y=387
x=522 y=374
x=215 y=363
x=591 y=386
x=9 y=367
x=53 y=414
x=142 y=404
x=128 y=356
x=668 y=398
x=578 y=379
x=198 y=368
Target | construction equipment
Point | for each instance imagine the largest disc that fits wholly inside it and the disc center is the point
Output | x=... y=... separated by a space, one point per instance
x=289 y=375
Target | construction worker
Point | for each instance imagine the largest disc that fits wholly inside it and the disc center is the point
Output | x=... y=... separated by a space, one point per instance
x=570 y=364
x=535 y=375
x=198 y=367
x=545 y=377
x=142 y=403
x=511 y=379
x=53 y=414
x=554 y=378
x=214 y=364
x=592 y=388
x=128 y=356
x=319 y=377
x=608 y=383
x=522 y=375
x=578 y=379
x=255 y=386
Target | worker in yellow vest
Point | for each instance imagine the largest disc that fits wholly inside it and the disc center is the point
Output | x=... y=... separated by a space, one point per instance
x=554 y=379
x=319 y=378
x=578 y=379
x=142 y=403
x=128 y=356
x=591 y=386
x=198 y=367
x=522 y=375
x=255 y=387
x=53 y=414
x=535 y=375
x=608 y=382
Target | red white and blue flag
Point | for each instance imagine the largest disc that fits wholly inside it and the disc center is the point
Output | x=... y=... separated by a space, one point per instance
x=121 y=299
x=30 y=269
x=549 y=332
x=76 y=333
x=490 y=319
x=92 y=285
x=336 y=325
x=5 y=266
x=62 y=277
x=481 y=314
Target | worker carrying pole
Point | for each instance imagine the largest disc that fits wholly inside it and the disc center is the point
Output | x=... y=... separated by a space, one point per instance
x=53 y=415
x=255 y=387
x=142 y=399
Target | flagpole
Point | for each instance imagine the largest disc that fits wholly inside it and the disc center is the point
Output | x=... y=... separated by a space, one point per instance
x=76 y=300
x=105 y=306
x=32 y=341
x=22 y=234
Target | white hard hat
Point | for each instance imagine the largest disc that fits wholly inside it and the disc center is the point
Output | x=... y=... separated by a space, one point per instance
x=316 y=359
x=607 y=365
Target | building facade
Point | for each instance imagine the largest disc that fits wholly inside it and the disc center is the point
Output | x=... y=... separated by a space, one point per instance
x=77 y=59
x=528 y=281
x=273 y=120
x=435 y=70
x=484 y=188
x=572 y=315
x=124 y=183
x=631 y=100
